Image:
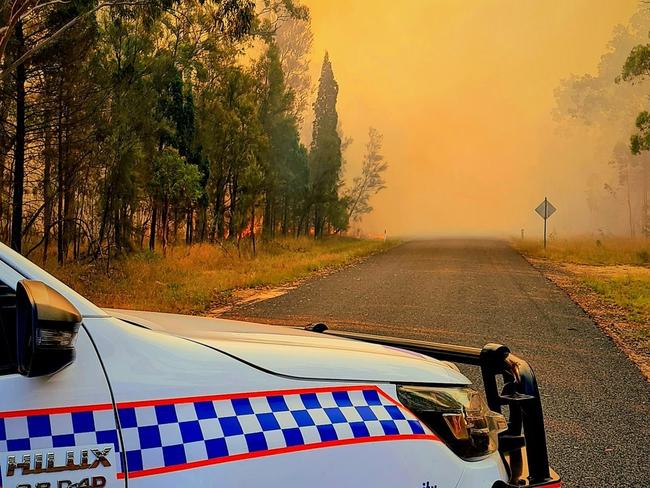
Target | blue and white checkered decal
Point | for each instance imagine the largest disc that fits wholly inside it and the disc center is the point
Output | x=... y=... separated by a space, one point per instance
x=172 y=434
x=85 y=428
x=59 y=428
x=182 y=434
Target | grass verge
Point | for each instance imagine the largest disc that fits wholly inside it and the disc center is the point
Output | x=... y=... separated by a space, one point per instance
x=609 y=279
x=630 y=293
x=191 y=279
x=604 y=251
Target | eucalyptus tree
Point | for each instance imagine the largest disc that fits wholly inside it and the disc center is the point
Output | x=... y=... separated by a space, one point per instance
x=605 y=104
x=233 y=17
x=371 y=180
x=294 y=39
x=174 y=182
x=231 y=139
x=137 y=118
x=636 y=69
x=281 y=130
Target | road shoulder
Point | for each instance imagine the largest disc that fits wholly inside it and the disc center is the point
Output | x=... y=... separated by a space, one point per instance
x=611 y=318
x=228 y=301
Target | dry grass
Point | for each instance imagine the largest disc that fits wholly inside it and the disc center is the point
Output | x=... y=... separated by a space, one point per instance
x=191 y=279
x=617 y=269
x=594 y=251
x=631 y=293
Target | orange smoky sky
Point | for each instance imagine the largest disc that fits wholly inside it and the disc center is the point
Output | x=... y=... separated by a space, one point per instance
x=463 y=94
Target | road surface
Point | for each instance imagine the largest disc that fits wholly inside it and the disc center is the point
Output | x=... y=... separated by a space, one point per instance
x=597 y=405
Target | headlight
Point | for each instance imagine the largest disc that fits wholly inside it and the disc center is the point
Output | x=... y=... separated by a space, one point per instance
x=459 y=416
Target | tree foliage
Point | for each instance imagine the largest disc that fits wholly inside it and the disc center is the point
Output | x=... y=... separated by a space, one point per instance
x=637 y=68
x=294 y=39
x=133 y=124
x=607 y=105
x=232 y=17
x=325 y=157
x=371 y=180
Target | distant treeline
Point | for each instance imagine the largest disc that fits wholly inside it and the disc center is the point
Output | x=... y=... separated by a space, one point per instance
x=611 y=107
x=129 y=124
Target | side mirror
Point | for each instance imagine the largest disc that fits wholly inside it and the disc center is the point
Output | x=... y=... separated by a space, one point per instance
x=46 y=329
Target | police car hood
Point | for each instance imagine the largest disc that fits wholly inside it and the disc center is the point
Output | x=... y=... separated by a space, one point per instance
x=297 y=353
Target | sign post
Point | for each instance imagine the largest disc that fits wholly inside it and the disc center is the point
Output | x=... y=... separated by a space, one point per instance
x=545 y=210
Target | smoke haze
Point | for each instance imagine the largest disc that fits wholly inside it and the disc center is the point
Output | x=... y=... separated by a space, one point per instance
x=464 y=96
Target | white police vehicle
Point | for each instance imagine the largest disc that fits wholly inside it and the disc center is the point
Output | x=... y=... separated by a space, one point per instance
x=95 y=398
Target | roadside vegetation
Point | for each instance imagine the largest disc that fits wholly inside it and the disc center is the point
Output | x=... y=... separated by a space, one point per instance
x=127 y=126
x=629 y=291
x=609 y=278
x=607 y=110
x=153 y=154
x=613 y=251
x=194 y=279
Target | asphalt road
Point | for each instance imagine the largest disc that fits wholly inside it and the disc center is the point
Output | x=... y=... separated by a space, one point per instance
x=597 y=404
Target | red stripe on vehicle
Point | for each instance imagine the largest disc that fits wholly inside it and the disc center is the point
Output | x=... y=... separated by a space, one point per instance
x=252 y=394
x=201 y=398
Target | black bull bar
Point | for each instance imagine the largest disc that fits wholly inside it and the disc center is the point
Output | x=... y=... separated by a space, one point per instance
x=523 y=444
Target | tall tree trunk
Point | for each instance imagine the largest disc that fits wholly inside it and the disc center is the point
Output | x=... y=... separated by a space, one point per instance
x=5 y=141
x=60 y=241
x=176 y=219
x=142 y=220
x=232 y=228
x=189 y=227
x=253 y=228
x=76 y=233
x=165 y=225
x=126 y=221
x=69 y=212
x=175 y=227
x=285 y=216
x=117 y=229
x=318 y=221
x=267 y=222
x=19 y=151
x=154 y=220
x=629 y=200
x=299 y=226
x=103 y=225
x=47 y=192
x=200 y=224
x=219 y=217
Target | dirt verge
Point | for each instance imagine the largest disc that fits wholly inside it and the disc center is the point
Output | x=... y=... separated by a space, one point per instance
x=239 y=297
x=611 y=318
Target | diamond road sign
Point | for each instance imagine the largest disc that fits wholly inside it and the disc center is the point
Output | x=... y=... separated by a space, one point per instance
x=545 y=209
